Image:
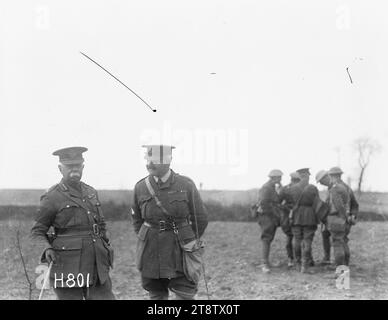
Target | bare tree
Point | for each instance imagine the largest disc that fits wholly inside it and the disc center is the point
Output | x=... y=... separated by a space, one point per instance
x=365 y=148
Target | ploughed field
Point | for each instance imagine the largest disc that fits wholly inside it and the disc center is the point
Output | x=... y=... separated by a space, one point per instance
x=232 y=261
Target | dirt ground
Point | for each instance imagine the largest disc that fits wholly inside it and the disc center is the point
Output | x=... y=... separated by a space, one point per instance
x=232 y=265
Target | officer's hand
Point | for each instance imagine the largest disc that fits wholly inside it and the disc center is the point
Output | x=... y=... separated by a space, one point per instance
x=352 y=220
x=50 y=256
x=106 y=239
x=253 y=211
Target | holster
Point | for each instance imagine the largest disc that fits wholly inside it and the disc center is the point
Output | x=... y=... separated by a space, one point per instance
x=110 y=251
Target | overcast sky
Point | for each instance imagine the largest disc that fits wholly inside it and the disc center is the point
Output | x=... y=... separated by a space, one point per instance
x=240 y=87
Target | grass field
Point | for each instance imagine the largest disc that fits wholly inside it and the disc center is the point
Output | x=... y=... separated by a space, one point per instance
x=232 y=264
x=369 y=201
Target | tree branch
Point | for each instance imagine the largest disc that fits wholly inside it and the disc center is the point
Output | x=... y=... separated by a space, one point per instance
x=24 y=265
x=365 y=148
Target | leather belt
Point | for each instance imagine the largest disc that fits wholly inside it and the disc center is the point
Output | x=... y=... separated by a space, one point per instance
x=93 y=229
x=166 y=225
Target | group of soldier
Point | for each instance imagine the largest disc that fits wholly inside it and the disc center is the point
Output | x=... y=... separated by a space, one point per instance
x=298 y=209
x=167 y=212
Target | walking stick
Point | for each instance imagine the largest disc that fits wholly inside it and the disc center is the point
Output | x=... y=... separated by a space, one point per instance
x=45 y=280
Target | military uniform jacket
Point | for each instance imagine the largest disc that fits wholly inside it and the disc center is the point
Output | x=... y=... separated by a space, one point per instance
x=323 y=207
x=286 y=198
x=80 y=247
x=339 y=200
x=268 y=198
x=158 y=253
x=353 y=204
x=304 y=214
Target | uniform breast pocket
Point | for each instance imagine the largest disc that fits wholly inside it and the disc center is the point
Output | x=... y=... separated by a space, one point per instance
x=143 y=203
x=68 y=214
x=68 y=254
x=179 y=203
x=96 y=207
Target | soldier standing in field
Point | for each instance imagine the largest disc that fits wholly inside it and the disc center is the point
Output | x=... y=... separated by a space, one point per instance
x=323 y=178
x=342 y=215
x=287 y=201
x=303 y=219
x=158 y=254
x=269 y=214
x=80 y=250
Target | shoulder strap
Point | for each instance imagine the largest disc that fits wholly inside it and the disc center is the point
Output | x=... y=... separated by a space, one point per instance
x=300 y=197
x=158 y=203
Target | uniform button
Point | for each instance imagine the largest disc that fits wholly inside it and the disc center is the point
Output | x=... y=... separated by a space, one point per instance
x=83 y=200
x=88 y=212
x=63 y=248
x=67 y=206
x=94 y=240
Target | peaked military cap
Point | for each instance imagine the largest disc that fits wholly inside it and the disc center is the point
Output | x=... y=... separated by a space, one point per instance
x=275 y=173
x=335 y=170
x=294 y=175
x=320 y=175
x=303 y=171
x=159 y=153
x=71 y=155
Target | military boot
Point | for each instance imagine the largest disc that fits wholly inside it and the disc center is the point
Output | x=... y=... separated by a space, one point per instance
x=326 y=247
x=289 y=249
x=347 y=255
x=326 y=258
x=310 y=260
x=307 y=263
x=305 y=268
x=184 y=297
x=325 y=261
x=266 y=249
x=158 y=295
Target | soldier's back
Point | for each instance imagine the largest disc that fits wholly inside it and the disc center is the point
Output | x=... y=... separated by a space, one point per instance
x=304 y=197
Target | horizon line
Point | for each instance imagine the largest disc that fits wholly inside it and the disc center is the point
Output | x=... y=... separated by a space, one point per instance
x=116 y=189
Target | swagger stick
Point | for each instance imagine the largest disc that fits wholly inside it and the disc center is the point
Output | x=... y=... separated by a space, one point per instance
x=45 y=280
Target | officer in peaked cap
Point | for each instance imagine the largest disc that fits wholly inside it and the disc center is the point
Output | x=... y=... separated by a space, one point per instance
x=79 y=250
x=342 y=215
x=287 y=202
x=295 y=177
x=322 y=177
x=268 y=214
x=303 y=220
x=158 y=154
x=167 y=211
x=71 y=155
x=303 y=171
